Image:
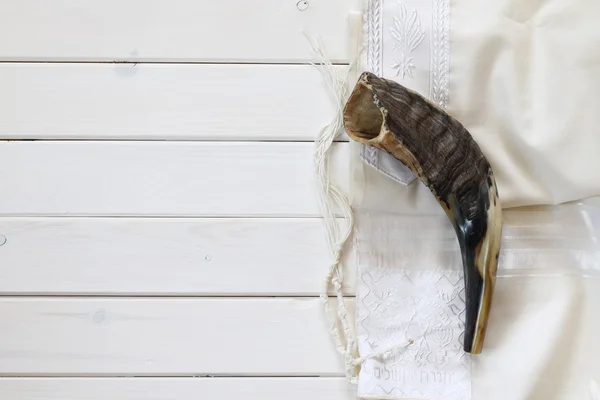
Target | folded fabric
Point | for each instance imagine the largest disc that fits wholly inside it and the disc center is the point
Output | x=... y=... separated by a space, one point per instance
x=544 y=325
x=523 y=80
x=520 y=76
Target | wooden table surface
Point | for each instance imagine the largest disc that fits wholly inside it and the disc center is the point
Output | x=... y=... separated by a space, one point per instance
x=160 y=236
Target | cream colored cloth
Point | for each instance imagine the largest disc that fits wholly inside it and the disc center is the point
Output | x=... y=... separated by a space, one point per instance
x=522 y=77
x=543 y=337
x=524 y=81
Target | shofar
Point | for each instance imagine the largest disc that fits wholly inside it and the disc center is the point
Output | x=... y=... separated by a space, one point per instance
x=444 y=156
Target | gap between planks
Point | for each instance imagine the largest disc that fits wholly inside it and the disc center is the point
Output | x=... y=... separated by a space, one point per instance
x=166 y=296
x=101 y=375
x=158 y=62
x=181 y=388
x=342 y=138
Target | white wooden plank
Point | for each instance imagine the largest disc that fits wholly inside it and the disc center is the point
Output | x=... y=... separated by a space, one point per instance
x=162 y=178
x=162 y=101
x=176 y=389
x=155 y=336
x=177 y=30
x=162 y=256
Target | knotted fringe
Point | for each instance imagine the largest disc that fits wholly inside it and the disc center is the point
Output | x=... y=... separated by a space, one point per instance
x=333 y=199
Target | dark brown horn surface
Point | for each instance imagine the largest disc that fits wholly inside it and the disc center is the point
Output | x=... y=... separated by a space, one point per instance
x=444 y=156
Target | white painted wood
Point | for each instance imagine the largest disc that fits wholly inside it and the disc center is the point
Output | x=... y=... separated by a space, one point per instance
x=162 y=101
x=150 y=336
x=162 y=178
x=177 y=30
x=162 y=256
x=176 y=389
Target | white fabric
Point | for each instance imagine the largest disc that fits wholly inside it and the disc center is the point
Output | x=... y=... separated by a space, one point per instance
x=387 y=165
x=522 y=78
x=415 y=371
x=404 y=296
x=545 y=323
x=523 y=81
x=408 y=41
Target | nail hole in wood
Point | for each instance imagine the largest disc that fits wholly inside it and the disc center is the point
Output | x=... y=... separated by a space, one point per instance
x=302 y=5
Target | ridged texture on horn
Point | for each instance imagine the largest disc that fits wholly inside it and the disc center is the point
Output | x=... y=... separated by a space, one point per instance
x=444 y=156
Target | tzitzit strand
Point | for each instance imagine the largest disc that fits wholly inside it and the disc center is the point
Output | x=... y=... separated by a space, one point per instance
x=332 y=198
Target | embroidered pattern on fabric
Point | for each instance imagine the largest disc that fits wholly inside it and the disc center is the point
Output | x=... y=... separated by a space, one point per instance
x=415 y=45
x=408 y=40
x=410 y=25
x=408 y=35
x=369 y=153
x=440 y=53
x=426 y=307
x=373 y=36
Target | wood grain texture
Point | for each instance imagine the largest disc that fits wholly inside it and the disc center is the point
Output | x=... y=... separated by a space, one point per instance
x=182 y=337
x=162 y=178
x=175 y=388
x=163 y=256
x=136 y=82
x=163 y=101
x=179 y=30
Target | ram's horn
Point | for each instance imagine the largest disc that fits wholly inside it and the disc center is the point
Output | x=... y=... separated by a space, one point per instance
x=444 y=156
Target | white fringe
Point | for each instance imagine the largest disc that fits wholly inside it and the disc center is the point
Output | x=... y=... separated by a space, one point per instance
x=331 y=198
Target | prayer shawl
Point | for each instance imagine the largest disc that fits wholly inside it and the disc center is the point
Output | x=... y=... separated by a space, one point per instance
x=522 y=77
